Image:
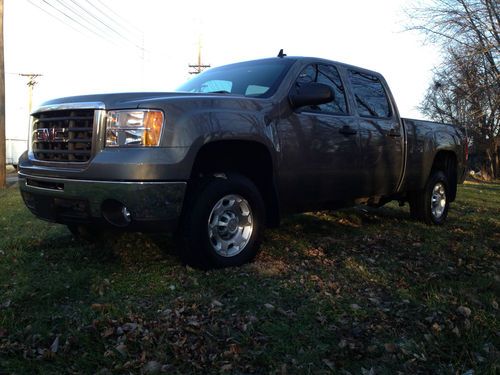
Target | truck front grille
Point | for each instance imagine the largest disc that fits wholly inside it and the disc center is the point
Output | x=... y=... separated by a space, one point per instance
x=63 y=135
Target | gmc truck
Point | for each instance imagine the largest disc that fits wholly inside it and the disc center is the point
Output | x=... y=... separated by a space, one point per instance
x=231 y=151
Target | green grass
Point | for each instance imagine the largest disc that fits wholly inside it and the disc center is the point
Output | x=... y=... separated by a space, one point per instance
x=350 y=291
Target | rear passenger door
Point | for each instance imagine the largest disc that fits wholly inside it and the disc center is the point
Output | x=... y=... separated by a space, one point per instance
x=381 y=134
x=320 y=145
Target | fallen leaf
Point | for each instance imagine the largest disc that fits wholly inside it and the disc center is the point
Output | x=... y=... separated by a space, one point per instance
x=55 y=345
x=467 y=324
x=390 y=347
x=226 y=367
x=436 y=328
x=216 y=303
x=108 y=332
x=152 y=367
x=100 y=306
x=122 y=349
x=269 y=306
x=465 y=311
x=329 y=364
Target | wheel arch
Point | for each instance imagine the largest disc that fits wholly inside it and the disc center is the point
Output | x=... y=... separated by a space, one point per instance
x=250 y=158
x=446 y=161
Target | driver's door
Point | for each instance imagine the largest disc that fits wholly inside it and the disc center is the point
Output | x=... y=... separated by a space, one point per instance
x=320 y=147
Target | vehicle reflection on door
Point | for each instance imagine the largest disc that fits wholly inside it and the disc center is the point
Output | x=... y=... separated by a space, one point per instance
x=382 y=155
x=321 y=157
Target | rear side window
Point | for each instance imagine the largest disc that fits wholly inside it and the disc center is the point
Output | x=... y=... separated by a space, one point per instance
x=328 y=75
x=371 y=98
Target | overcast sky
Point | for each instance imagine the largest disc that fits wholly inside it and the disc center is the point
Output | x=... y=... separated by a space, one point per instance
x=148 y=44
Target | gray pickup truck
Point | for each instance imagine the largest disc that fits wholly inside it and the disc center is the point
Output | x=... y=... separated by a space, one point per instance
x=231 y=151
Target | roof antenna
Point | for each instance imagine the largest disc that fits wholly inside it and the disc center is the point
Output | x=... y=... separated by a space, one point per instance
x=281 y=54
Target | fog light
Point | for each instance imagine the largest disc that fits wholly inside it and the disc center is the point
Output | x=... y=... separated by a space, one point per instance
x=116 y=213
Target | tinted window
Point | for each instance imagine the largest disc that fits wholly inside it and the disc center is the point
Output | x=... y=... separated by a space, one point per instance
x=254 y=78
x=371 y=99
x=216 y=85
x=328 y=75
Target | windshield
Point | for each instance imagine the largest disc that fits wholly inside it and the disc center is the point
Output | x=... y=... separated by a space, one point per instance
x=255 y=78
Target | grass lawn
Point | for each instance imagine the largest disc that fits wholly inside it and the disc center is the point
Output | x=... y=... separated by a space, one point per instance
x=358 y=291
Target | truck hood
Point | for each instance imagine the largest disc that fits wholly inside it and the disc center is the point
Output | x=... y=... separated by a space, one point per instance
x=128 y=100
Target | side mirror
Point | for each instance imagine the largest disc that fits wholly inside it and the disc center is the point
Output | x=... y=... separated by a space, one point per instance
x=311 y=93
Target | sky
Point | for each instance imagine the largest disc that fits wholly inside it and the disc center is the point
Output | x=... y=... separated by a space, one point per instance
x=148 y=45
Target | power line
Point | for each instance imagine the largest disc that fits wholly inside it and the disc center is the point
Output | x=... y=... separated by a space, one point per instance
x=77 y=14
x=53 y=15
x=84 y=22
x=117 y=15
x=71 y=18
x=94 y=17
x=120 y=25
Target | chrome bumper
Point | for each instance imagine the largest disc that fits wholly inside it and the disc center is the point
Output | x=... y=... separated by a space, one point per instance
x=69 y=200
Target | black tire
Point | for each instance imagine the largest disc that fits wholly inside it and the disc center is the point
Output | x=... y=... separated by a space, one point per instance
x=199 y=237
x=431 y=204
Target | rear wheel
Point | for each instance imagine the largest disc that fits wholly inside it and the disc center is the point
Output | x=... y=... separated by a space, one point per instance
x=431 y=204
x=222 y=222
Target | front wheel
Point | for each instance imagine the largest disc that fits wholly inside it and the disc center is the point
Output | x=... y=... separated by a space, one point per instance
x=222 y=222
x=431 y=204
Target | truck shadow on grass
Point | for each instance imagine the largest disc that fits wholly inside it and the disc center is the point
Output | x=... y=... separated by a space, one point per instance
x=330 y=291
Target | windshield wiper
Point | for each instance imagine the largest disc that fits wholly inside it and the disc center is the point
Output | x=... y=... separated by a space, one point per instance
x=219 y=92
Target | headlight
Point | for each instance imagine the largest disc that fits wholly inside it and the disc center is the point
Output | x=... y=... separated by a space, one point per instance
x=133 y=128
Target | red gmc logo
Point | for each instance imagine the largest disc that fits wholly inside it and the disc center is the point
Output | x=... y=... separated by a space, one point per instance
x=50 y=134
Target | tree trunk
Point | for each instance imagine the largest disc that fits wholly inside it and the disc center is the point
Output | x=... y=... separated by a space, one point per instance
x=495 y=147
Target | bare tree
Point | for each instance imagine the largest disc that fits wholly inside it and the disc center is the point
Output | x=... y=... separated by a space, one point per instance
x=466 y=87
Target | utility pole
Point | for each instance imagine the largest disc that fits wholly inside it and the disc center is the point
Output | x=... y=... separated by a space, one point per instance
x=32 y=81
x=198 y=68
x=3 y=151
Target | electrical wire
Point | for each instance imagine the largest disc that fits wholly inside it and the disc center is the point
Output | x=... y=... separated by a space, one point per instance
x=77 y=17
x=87 y=23
x=53 y=15
x=72 y=19
x=123 y=27
x=94 y=17
x=117 y=15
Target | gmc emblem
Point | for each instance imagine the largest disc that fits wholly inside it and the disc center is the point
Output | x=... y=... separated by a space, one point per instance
x=50 y=134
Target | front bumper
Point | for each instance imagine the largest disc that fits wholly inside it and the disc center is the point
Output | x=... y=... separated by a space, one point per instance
x=70 y=201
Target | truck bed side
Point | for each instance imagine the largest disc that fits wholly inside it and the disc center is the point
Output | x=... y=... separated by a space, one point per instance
x=427 y=139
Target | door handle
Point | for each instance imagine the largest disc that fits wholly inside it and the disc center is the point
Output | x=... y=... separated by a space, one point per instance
x=394 y=133
x=347 y=130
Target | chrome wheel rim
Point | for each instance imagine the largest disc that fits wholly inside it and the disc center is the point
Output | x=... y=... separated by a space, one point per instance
x=230 y=225
x=438 y=200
